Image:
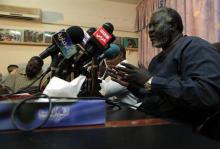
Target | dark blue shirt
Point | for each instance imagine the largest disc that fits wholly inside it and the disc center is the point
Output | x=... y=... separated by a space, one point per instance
x=186 y=81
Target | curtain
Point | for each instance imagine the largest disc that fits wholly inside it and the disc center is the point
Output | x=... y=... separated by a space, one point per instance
x=200 y=18
x=144 y=11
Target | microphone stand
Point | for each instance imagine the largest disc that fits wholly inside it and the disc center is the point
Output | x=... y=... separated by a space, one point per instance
x=91 y=86
x=94 y=73
x=94 y=88
x=54 y=64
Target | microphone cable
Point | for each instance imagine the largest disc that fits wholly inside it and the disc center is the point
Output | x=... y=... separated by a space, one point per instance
x=15 y=110
x=28 y=86
x=120 y=103
x=41 y=85
x=113 y=104
x=18 y=105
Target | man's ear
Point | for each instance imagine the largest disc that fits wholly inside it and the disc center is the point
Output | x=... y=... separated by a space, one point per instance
x=121 y=56
x=173 y=27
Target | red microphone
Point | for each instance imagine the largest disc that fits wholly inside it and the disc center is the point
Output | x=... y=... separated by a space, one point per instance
x=102 y=36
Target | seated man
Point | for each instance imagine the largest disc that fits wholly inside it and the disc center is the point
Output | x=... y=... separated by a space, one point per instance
x=112 y=89
x=183 y=81
x=25 y=76
x=12 y=68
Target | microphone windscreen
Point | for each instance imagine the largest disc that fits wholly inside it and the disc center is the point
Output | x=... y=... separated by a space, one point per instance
x=76 y=34
x=108 y=27
x=91 y=30
x=112 y=52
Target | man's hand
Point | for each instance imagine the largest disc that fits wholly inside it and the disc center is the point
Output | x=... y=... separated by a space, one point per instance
x=4 y=90
x=117 y=76
x=134 y=74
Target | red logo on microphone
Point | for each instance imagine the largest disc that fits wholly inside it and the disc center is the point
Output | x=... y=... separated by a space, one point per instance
x=102 y=36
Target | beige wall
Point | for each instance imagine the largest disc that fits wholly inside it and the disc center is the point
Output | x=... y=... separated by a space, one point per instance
x=84 y=13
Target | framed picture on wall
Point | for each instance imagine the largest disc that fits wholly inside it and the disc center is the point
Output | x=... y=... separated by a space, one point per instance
x=11 y=35
x=129 y=42
x=33 y=36
x=48 y=37
x=25 y=37
x=118 y=40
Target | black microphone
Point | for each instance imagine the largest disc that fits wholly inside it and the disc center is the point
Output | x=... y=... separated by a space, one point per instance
x=111 y=52
x=74 y=33
x=102 y=37
x=91 y=30
x=98 y=42
x=63 y=42
x=87 y=35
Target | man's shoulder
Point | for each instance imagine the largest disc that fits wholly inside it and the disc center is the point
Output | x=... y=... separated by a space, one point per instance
x=199 y=48
x=198 y=41
x=13 y=72
x=193 y=44
x=19 y=70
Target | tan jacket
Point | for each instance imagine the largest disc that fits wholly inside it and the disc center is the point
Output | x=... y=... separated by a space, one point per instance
x=19 y=80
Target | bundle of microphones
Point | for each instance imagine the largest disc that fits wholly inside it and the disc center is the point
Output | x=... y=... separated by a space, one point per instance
x=74 y=50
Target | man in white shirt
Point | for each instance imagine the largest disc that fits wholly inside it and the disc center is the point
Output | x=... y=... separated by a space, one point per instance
x=112 y=89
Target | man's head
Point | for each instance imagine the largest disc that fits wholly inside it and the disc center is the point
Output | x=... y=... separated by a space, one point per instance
x=119 y=58
x=11 y=68
x=165 y=25
x=34 y=67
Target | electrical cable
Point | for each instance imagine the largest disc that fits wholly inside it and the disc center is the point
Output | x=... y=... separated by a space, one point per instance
x=117 y=104
x=40 y=82
x=17 y=106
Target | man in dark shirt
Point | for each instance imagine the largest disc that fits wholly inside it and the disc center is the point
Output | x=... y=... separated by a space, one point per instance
x=183 y=81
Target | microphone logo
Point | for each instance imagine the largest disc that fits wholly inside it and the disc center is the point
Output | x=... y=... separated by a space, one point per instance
x=63 y=41
x=58 y=113
x=102 y=36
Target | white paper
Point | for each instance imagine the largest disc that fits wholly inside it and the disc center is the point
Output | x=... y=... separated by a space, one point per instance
x=61 y=88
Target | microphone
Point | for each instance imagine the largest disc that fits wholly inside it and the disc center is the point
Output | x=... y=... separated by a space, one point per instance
x=63 y=41
x=110 y=53
x=91 y=30
x=96 y=44
x=87 y=35
x=103 y=35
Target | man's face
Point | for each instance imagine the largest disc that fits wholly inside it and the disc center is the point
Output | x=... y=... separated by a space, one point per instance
x=160 y=30
x=32 y=68
x=10 y=69
x=114 y=62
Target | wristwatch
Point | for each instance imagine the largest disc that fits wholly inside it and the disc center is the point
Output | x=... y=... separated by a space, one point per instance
x=147 y=85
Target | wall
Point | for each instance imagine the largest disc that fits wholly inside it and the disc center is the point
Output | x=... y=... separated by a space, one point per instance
x=61 y=14
x=83 y=12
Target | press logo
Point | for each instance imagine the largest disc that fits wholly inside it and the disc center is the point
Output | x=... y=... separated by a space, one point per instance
x=105 y=33
x=102 y=36
x=61 y=38
x=58 y=113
